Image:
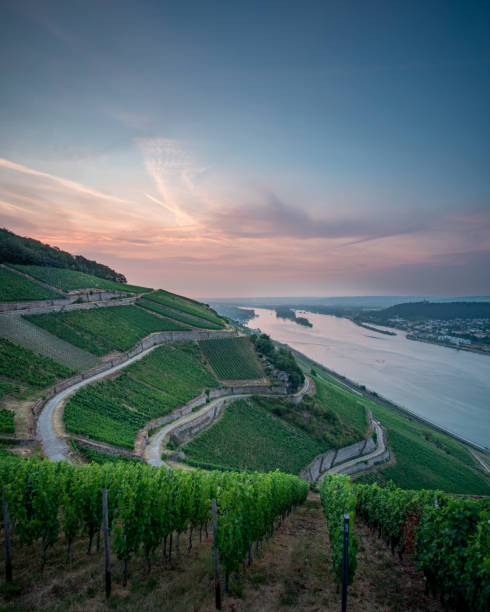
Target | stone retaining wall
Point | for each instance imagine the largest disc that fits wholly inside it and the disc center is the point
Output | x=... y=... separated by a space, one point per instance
x=364 y=465
x=186 y=431
x=109 y=450
x=153 y=339
x=324 y=462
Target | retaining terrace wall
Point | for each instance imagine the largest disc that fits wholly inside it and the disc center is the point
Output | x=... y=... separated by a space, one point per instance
x=364 y=465
x=324 y=462
x=186 y=431
x=148 y=342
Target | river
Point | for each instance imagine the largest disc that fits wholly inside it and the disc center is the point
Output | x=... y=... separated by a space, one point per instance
x=448 y=387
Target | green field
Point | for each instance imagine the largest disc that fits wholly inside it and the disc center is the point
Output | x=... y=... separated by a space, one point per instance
x=21 y=370
x=178 y=369
x=350 y=407
x=100 y=330
x=249 y=437
x=114 y=410
x=20 y=331
x=95 y=456
x=232 y=358
x=186 y=305
x=16 y=288
x=177 y=316
x=68 y=280
x=426 y=459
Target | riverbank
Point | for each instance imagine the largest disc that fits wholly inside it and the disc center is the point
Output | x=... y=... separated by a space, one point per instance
x=373 y=396
x=374 y=329
x=459 y=347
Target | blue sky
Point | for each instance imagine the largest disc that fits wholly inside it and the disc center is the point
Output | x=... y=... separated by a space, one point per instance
x=253 y=148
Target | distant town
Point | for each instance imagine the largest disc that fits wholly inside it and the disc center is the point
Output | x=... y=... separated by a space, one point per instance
x=470 y=334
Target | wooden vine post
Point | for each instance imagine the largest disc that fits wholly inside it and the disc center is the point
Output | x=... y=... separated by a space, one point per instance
x=217 y=585
x=6 y=530
x=107 y=552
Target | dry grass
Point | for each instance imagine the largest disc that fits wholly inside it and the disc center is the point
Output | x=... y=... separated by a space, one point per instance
x=292 y=571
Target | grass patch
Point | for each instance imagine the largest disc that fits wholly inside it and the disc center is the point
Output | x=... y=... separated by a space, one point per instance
x=249 y=437
x=232 y=358
x=100 y=330
x=16 y=288
x=69 y=280
x=186 y=305
x=177 y=316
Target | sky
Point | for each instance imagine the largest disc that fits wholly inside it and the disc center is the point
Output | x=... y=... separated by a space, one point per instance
x=235 y=149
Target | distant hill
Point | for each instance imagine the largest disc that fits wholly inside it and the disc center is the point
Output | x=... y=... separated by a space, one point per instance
x=433 y=310
x=16 y=249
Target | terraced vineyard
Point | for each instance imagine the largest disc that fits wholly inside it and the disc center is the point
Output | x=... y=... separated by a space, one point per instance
x=186 y=305
x=232 y=358
x=68 y=280
x=100 y=330
x=177 y=316
x=177 y=368
x=23 y=332
x=348 y=406
x=249 y=437
x=16 y=288
x=114 y=410
x=21 y=370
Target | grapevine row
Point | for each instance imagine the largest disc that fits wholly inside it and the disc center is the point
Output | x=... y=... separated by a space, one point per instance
x=450 y=538
x=146 y=506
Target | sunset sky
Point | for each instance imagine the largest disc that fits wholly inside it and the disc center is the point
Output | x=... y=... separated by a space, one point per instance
x=222 y=148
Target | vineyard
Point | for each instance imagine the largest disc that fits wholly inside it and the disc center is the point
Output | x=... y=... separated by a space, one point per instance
x=178 y=369
x=21 y=370
x=249 y=437
x=232 y=358
x=34 y=338
x=186 y=305
x=147 y=510
x=316 y=417
x=177 y=316
x=16 y=288
x=6 y=420
x=113 y=411
x=350 y=409
x=68 y=280
x=100 y=330
x=449 y=538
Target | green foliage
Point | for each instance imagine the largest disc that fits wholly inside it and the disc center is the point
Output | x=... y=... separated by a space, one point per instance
x=349 y=407
x=96 y=456
x=232 y=358
x=338 y=499
x=186 y=305
x=145 y=504
x=281 y=358
x=177 y=315
x=7 y=421
x=21 y=369
x=16 y=288
x=451 y=539
x=19 y=250
x=68 y=280
x=100 y=330
x=178 y=369
x=249 y=437
x=114 y=410
x=317 y=418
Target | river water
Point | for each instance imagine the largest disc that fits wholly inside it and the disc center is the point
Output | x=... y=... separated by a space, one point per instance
x=448 y=387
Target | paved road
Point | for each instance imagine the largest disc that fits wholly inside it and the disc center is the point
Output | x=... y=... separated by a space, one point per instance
x=54 y=447
x=153 y=450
